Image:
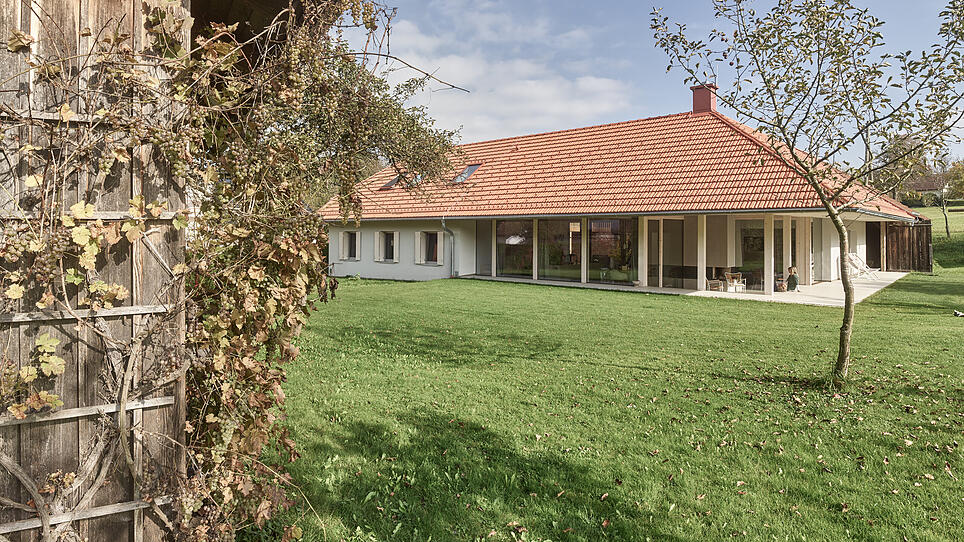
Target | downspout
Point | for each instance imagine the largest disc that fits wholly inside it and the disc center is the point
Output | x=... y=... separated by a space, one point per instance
x=452 y=259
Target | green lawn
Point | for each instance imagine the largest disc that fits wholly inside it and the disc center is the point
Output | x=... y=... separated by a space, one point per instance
x=464 y=410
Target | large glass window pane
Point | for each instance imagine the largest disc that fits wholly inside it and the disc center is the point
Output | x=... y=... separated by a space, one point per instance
x=560 y=248
x=612 y=250
x=750 y=252
x=672 y=253
x=513 y=244
x=653 y=257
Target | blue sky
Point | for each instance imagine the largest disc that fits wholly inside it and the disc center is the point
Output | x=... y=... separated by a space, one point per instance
x=540 y=65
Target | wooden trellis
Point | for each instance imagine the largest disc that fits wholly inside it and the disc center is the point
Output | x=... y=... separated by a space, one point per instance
x=60 y=440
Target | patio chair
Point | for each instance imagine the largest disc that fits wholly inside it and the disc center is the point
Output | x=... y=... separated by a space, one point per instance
x=735 y=282
x=714 y=285
x=860 y=267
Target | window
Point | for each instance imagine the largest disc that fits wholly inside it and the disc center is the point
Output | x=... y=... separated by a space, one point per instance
x=513 y=244
x=466 y=173
x=429 y=248
x=395 y=180
x=612 y=251
x=560 y=249
x=386 y=246
x=350 y=245
x=391 y=183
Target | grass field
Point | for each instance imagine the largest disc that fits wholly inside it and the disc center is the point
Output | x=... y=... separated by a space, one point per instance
x=465 y=410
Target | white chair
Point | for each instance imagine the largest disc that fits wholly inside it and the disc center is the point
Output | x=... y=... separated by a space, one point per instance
x=735 y=282
x=860 y=267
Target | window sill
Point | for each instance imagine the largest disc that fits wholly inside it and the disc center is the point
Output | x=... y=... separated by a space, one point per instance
x=386 y=261
x=349 y=260
x=430 y=264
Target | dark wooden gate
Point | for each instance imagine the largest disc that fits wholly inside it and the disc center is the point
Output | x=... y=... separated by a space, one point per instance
x=909 y=247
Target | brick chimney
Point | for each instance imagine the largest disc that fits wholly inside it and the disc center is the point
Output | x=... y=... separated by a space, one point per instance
x=704 y=98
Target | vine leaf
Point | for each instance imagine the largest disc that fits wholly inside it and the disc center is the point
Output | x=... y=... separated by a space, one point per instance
x=46 y=344
x=19 y=40
x=52 y=365
x=14 y=291
x=66 y=113
x=82 y=210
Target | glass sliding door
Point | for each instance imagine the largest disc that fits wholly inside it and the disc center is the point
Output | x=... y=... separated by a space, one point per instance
x=750 y=252
x=672 y=253
x=560 y=250
x=652 y=263
x=612 y=250
x=513 y=243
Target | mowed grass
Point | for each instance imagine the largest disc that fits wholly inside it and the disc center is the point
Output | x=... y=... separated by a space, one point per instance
x=469 y=410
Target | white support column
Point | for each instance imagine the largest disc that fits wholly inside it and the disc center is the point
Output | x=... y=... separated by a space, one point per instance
x=808 y=251
x=643 y=259
x=883 y=246
x=660 y=270
x=803 y=250
x=584 y=250
x=701 y=252
x=768 y=254
x=731 y=247
x=787 y=244
x=535 y=249
x=494 y=250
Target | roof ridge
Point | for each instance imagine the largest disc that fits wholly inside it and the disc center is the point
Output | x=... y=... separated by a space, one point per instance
x=552 y=132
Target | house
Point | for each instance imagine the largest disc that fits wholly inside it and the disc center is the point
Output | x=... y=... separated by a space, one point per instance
x=933 y=185
x=667 y=202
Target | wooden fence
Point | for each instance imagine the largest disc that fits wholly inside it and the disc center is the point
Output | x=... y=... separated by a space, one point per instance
x=61 y=440
x=909 y=247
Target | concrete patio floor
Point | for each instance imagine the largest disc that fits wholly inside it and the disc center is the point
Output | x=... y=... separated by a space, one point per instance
x=825 y=294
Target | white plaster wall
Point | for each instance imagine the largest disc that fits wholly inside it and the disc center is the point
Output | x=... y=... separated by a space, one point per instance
x=405 y=268
x=858 y=239
x=830 y=255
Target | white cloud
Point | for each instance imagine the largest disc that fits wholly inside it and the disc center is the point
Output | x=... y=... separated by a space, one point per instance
x=517 y=84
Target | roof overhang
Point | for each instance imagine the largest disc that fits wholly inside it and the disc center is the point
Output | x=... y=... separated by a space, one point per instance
x=806 y=212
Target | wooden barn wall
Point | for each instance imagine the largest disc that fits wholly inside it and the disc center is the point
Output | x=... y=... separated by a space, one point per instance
x=43 y=447
x=909 y=247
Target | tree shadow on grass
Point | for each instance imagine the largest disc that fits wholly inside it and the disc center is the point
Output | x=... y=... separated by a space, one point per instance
x=452 y=346
x=920 y=295
x=441 y=478
x=795 y=383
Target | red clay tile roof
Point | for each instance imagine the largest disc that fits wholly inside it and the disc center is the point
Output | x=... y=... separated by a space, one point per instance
x=926 y=183
x=677 y=163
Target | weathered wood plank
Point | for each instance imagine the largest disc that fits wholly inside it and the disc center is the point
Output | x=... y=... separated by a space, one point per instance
x=95 y=512
x=87 y=411
x=55 y=316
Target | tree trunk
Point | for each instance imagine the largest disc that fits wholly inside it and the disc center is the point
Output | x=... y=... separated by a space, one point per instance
x=947 y=226
x=842 y=365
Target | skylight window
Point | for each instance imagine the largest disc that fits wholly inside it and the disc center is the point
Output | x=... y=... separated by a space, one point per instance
x=391 y=183
x=466 y=173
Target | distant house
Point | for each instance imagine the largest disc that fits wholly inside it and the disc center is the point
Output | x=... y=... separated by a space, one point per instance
x=668 y=202
x=932 y=184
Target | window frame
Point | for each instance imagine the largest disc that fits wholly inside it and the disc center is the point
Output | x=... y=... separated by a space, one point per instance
x=343 y=246
x=421 y=244
x=380 y=238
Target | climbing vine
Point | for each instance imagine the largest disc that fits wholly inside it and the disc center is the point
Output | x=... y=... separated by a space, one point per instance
x=250 y=132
